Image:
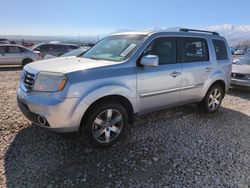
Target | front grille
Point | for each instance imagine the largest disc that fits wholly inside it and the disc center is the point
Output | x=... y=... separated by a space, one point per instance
x=240 y=76
x=29 y=80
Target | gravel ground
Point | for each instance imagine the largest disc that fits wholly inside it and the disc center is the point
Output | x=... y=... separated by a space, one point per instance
x=180 y=147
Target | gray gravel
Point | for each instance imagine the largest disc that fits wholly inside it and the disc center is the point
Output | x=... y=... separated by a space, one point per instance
x=180 y=147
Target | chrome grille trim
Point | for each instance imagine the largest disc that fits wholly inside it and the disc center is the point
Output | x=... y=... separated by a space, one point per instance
x=29 y=80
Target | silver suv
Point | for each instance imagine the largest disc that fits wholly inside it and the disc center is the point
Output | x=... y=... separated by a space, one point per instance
x=122 y=76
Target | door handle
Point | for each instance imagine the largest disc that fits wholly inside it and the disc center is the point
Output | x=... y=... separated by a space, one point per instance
x=208 y=69
x=175 y=74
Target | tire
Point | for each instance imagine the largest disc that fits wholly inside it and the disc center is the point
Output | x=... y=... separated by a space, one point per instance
x=105 y=125
x=26 y=61
x=213 y=99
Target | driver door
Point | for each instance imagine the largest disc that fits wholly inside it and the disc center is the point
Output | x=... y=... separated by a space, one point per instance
x=159 y=87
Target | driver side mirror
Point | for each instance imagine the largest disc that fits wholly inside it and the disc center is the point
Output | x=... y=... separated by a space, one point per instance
x=150 y=61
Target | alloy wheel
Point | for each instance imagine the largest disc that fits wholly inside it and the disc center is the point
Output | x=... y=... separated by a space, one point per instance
x=214 y=99
x=107 y=126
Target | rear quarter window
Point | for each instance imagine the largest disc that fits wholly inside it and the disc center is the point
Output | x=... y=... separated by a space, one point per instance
x=220 y=50
x=22 y=49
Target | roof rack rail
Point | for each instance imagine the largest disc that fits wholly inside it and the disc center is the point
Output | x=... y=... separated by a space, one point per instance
x=200 y=31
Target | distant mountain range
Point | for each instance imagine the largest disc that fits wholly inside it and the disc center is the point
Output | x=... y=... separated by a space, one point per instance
x=235 y=34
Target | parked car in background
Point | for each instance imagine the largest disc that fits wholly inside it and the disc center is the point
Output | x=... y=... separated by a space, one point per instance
x=241 y=71
x=239 y=52
x=72 y=46
x=17 y=55
x=4 y=41
x=124 y=75
x=54 y=49
x=77 y=52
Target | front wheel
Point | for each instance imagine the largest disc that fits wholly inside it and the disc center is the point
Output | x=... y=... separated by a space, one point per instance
x=105 y=125
x=213 y=99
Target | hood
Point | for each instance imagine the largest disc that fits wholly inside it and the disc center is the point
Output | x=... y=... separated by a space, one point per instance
x=243 y=69
x=68 y=64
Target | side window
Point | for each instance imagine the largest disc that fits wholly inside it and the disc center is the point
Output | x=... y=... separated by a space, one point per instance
x=45 y=47
x=220 y=50
x=21 y=49
x=164 y=48
x=193 y=49
x=2 y=49
x=60 y=48
x=13 y=49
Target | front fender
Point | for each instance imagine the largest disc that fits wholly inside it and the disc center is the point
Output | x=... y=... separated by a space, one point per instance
x=104 y=91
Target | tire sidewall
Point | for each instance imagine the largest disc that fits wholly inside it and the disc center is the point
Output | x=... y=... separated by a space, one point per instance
x=206 y=100
x=86 y=130
x=26 y=61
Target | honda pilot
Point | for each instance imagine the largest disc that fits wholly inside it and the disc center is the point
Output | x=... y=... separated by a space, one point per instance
x=123 y=75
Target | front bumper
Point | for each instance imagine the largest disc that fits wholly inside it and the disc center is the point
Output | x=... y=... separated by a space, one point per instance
x=240 y=82
x=30 y=115
x=62 y=115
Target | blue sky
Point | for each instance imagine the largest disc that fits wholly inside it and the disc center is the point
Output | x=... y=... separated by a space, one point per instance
x=92 y=17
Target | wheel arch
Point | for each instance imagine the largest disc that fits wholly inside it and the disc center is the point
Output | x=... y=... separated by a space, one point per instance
x=26 y=59
x=220 y=82
x=125 y=102
x=219 y=77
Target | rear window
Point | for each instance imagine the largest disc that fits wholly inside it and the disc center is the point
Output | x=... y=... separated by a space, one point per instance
x=44 y=47
x=220 y=50
x=193 y=49
x=61 y=48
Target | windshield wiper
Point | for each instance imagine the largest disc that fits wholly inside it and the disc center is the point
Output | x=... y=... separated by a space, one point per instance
x=94 y=58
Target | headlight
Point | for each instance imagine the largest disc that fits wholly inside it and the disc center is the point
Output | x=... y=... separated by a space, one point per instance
x=49 y=81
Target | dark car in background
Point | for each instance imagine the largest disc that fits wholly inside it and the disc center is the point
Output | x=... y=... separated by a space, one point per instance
x=54 y=49
x=4 y=41
x=72 y=46
x=77 y=52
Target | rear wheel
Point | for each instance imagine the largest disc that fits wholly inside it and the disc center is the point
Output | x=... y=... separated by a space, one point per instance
x=213 y=99
x=105 y=125
x=26 y=61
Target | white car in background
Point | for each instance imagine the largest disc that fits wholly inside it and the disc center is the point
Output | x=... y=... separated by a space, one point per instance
x=17 y=55
x=241 y=71
x=239 y=52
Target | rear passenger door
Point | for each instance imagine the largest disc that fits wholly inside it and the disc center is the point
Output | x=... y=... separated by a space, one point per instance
x=13 y=55
x=194 y=56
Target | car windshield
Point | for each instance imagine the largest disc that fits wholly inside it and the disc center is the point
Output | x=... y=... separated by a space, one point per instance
x=115 y=48
x=75 y=52
x=245 y=60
